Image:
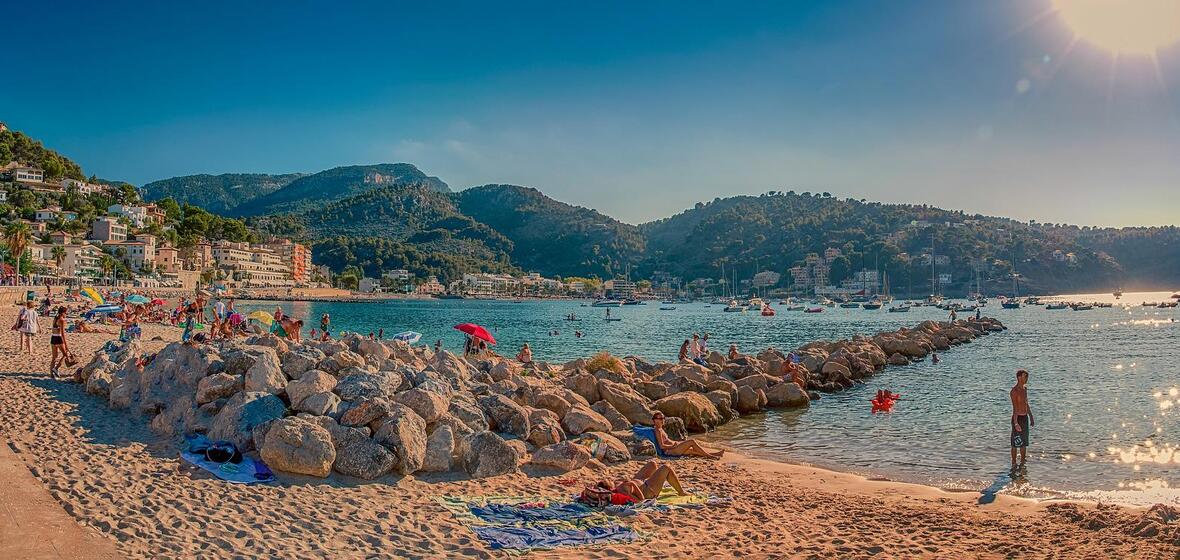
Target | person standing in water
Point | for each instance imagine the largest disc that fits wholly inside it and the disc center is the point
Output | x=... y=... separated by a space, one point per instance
x=1022 y=417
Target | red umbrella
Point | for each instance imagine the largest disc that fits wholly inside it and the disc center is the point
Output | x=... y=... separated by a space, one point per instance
x=476 y=331
x=157 y=301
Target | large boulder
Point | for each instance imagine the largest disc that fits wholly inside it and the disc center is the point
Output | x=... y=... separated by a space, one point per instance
x=635 y=407
x=507 y=416
x=544 y=429
x=311 y=382
x=750 y=399
x=654 y=390
x=175 y=371
x=697 y=411
x=361 y=385
x=565 y=456
x=724 y=404
x=359 y=456
x=487 y=454
x=786 y=395
x=218 y=386
x=375 y=348
x=404 y=433
x=340 y=361
x=366 y=412
x=552 y=402
x=428 y=404
x=242 y=414
x=299 y=361
x=606 y=447
x=581 y=419
x=618 y=422
x=452 y=368
x=266 y=373
x=470 y=415
x=319 y=404
x=440 y=450
x=757 y=381
x=298 y=446
x=585 y=385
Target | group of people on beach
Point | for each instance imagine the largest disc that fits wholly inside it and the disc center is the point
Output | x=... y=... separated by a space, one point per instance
x=695 y=349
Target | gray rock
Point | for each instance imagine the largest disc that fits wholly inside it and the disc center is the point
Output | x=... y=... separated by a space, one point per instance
x=218 y=386
x=340 y=361
x=507 y=416
x=266 y=374
x=580 y=420
x=300 y=361
x=319 y=404
x=298 y=446
x=242 y=414
x=553 y=402
x=359 y=456
x=616 y=419
x=440 y=450
x=635 y=407
x=698 y=412
x=470 y=414
x=429 y=405
x=487 y=454
x=404 y=433
x=365 y=412
x=786 y=395
x=312 y=382
x=565 y=456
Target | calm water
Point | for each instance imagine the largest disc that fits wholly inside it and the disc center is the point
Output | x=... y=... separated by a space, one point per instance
x=1104 y=386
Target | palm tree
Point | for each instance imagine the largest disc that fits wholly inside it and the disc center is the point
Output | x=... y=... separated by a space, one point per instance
x=107 y=263
x=17 y=237
x=59 y=254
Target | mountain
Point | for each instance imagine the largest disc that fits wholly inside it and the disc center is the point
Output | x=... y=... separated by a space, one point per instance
x=552 y=237
x=16 y=146
x=217 y=193
x=776 y=231
x=336 y=184
x=411 y=226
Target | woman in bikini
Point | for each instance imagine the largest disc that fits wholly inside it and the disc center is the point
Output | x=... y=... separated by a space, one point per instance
x=57 y=342
x=673 y=448
x=645 y=485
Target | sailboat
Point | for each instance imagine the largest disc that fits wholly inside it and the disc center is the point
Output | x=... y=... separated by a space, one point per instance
x=1014 y=301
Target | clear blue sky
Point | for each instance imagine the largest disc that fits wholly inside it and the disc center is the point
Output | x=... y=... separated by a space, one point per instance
x=638 y=109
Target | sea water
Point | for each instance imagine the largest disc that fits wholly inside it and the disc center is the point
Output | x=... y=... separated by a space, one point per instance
x=1104 y=385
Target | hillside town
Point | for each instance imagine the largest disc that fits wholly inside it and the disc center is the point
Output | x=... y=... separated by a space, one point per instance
x=127 y=242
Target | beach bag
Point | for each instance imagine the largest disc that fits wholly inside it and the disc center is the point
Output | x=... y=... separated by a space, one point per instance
x=597 y=496
x=223 y=452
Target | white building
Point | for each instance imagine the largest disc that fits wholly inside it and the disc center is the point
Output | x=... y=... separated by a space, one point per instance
x=138 y=215
x=108 y=229
x=28 y=175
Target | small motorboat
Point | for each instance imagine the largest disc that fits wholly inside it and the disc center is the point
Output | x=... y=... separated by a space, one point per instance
x=899 y=309
x=668 y=308
x=1081 y=307
x=1166 y=305
x=767 y=311
x=1010 y=304
x=734 y=307
x=849 y=305
x=871 y=305
x=607 y=303
x=1149 y=304
x=814 y=310
x=1056 y=306
x=796 y=307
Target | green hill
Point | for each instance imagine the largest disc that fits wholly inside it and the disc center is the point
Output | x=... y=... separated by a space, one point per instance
x=335 y=184
x=16 y=146
x=217 y=193
x=552 y=237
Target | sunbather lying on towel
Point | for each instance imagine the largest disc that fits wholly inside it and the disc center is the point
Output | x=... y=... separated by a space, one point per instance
x=645 y=485
x=686 y=448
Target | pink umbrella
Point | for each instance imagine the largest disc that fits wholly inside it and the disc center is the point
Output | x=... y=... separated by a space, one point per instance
x=476 y=331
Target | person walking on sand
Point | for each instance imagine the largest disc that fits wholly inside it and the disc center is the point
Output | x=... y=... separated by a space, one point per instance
x=59 y=349
x=26 y=326
x=1022 y=416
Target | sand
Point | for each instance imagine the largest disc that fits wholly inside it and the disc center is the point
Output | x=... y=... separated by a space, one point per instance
x=116 y=478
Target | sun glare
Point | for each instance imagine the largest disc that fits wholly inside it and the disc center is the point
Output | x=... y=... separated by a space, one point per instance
x=1132 y=27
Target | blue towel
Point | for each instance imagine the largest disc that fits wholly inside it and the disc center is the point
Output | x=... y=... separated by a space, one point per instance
x=525 y=538
x=249 y=471
x=648 y=433
x=508 y=513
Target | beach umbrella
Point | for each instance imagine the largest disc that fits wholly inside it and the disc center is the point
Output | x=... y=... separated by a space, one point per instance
x=116 y=294
x=92 y=295
x=476 y=331
x=109 y=308
x=138 y=299
x=158 y=301
x=409 y=337
x=262 y=317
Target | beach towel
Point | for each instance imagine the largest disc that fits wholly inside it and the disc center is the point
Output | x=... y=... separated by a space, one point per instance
x=501 y=537
x=520 y=524
x=649 y=433
x=248 y=471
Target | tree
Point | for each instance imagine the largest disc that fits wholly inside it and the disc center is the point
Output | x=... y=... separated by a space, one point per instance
x=17 y=236
x=107 y=263
x=59 y=254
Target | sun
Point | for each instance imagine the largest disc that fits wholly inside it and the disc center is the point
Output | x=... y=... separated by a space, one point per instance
x=1132 y=27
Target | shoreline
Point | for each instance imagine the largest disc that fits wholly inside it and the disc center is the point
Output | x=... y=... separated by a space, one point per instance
x=104 y=466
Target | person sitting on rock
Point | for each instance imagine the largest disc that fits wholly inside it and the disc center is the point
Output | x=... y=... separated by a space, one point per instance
x=733 y=353
x=647 y=483
x=526 y=355
x=673 y=448
x=684 y=350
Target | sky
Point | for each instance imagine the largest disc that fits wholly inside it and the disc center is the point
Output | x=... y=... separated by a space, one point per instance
x=636 y=109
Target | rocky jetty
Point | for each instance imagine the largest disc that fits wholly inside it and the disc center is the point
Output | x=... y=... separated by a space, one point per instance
x=366 y=409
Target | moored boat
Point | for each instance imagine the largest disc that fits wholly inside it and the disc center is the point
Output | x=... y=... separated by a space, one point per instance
x=814 y=310
x=899 y=309
x=607 y=303
x=734 y=307
x=871 y=305
x=1055 y=306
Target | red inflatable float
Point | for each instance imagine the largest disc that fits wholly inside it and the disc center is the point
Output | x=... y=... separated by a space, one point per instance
x=884 y=401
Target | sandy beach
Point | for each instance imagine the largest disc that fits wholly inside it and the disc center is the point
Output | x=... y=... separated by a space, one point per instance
x=120 y=481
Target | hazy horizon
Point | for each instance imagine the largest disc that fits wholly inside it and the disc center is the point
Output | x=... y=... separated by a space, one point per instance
x=993 y=108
